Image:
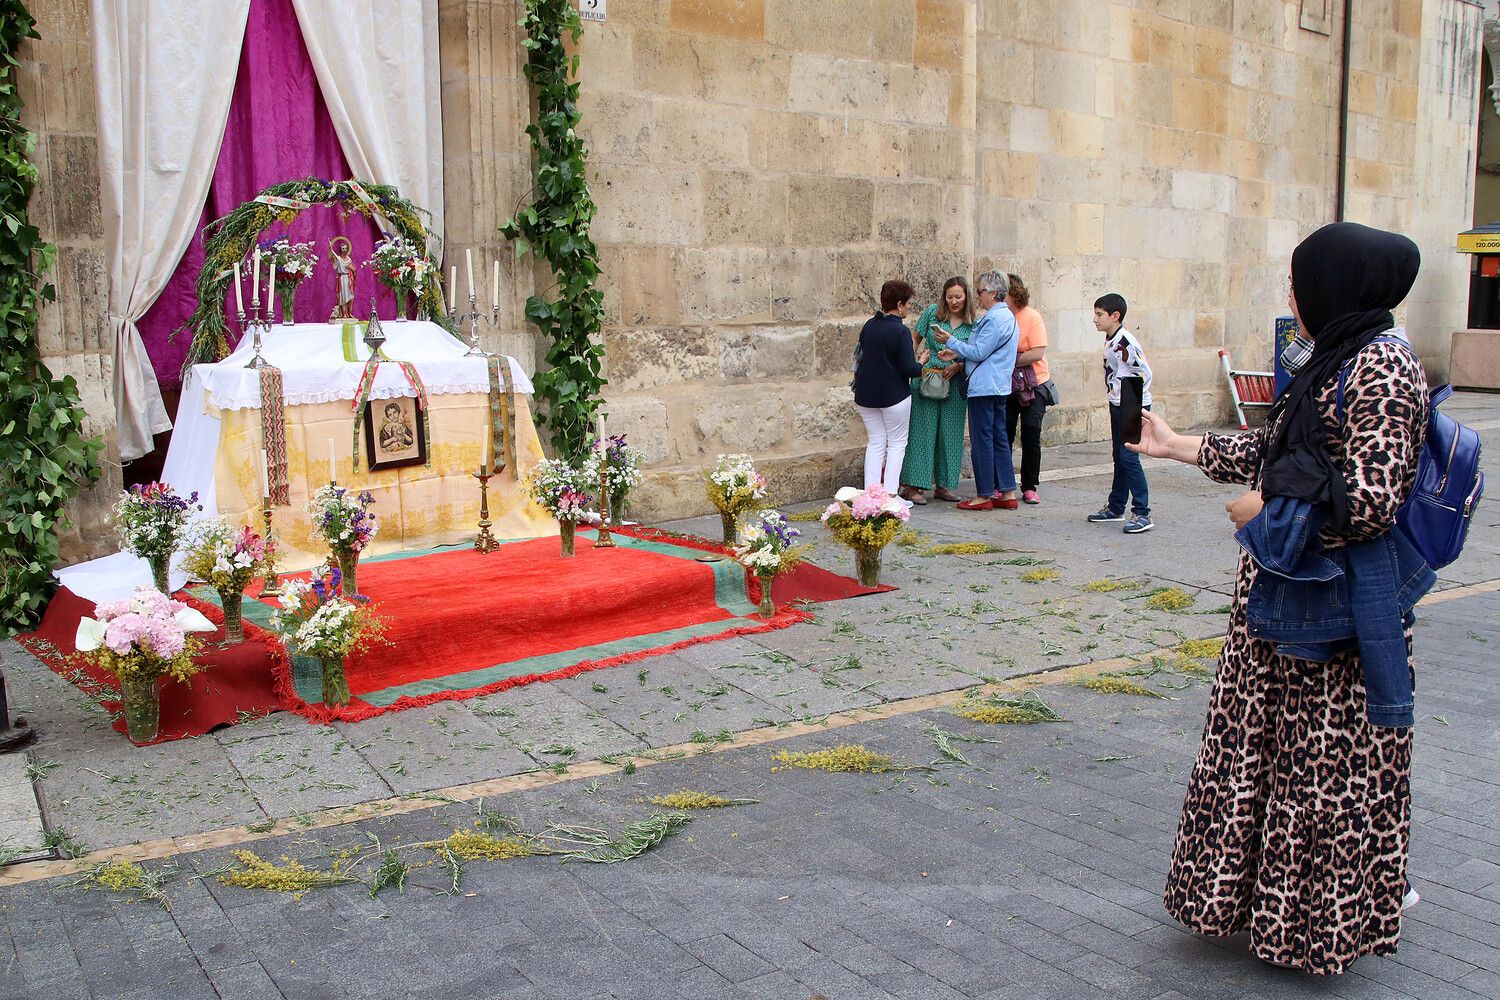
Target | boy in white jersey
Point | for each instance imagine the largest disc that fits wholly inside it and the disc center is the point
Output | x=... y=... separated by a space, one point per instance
x=1123 y=358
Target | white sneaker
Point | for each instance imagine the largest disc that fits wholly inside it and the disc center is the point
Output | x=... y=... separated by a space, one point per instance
x=1409 y=900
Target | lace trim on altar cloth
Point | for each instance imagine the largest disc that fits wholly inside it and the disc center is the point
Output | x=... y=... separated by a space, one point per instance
x=215 y=401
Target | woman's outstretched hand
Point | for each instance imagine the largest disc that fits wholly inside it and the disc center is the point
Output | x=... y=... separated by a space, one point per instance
x=923 y=355
x=1156 y=437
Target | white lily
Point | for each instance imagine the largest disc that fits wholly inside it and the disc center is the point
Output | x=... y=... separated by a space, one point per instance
x=191 y=620
x=90 y=635
x=847 y=494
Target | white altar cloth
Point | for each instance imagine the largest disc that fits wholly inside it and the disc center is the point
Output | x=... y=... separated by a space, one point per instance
x=310 y=356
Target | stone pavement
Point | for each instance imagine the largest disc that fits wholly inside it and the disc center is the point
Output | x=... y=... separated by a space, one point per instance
x=1034 y=872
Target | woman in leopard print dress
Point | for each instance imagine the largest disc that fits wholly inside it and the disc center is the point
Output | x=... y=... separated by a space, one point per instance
x=1298 y=810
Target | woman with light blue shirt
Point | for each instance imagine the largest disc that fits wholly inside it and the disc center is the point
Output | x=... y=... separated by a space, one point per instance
x=990 y=356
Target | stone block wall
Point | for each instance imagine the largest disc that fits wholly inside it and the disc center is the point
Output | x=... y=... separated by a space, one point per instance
x=57 y=85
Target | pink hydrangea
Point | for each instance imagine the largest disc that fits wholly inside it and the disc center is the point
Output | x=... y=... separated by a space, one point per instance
x=869 y=503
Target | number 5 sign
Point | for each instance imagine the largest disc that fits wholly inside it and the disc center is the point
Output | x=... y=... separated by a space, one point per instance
x=591 y=10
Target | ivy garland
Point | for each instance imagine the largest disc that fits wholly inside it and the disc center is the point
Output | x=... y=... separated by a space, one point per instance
x=229 y=239
x=45 y=457
x=555 y=228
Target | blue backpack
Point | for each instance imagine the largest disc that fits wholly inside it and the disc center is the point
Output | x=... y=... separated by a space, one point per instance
x=1435 y=518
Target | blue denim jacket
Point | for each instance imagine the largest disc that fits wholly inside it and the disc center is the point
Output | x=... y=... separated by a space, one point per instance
x=1311 y=602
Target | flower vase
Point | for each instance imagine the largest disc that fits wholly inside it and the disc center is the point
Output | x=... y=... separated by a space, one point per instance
x=348 y=568
x=731 y=523
x=234 y=622
x=335 y=683
x=566 y=534
x=617 y=509
x=159 y=566
x=142 y=706
x=288 y=298
x=868 y=563
x=401 y=294
x=767 y=606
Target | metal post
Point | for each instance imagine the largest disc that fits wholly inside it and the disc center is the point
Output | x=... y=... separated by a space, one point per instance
x=13 y=735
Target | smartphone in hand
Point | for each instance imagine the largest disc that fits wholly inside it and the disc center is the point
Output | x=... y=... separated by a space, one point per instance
x=1132 y=388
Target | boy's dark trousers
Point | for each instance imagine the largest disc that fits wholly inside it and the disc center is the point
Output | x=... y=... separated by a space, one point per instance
x=1130 y=478
x=1030 y=420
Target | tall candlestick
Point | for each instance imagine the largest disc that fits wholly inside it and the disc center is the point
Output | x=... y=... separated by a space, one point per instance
x=469 y=267
x=255 y=281
x=332 y=476
x=453 y=288
x=239 y=293
x=495 y=295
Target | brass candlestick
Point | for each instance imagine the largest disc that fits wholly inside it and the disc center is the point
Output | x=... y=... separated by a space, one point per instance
x=272 y=586
x=484 y=541
x=604 y=540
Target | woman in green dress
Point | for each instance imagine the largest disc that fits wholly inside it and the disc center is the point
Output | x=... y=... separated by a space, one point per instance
x=935 y=445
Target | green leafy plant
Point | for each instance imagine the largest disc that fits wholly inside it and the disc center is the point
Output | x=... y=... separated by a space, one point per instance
x=555 y=229
x=45 y=456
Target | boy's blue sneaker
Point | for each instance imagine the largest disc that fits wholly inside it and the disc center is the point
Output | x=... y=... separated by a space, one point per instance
x=1138 y=524
x=1105 y=514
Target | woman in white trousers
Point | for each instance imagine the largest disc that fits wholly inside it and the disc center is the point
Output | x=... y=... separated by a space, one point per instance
x=884 y=366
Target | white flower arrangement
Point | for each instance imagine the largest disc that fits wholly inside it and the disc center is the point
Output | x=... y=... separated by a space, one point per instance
x=768 y=544
x=734 y=485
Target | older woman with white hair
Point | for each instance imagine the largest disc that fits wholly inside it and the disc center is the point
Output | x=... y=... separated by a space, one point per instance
x=990 y=356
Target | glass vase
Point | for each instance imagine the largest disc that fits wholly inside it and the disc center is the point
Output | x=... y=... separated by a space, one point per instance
x=401 y=294
x=731 y=524
x=348 y=570
x=159 y=567
x=288 y=300
x=142 y=707
x=335 y=683
x=868 y=563
x=617 y=509
x=232 y=602
x=567 y=529
x=767 y=606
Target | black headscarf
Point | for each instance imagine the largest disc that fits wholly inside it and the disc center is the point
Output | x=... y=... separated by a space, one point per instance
x=1346 y=278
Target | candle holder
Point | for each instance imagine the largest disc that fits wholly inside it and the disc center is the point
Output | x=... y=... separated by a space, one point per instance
x=257 y=323
x=472 y=318
x=272 y=586
x=484 y=542
x=604 y=540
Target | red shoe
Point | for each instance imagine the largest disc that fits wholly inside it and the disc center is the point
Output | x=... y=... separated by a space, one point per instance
x=977 y=503
x=1009 y=504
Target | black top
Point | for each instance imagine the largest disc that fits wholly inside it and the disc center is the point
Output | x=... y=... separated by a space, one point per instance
x=885 y=363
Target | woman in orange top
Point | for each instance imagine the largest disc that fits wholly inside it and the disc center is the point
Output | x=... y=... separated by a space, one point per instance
x=1031 y=351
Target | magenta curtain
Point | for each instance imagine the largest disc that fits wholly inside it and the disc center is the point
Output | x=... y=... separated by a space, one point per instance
x=278 y=130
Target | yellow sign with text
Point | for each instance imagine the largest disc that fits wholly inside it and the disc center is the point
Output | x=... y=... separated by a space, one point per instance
x=1479 y=242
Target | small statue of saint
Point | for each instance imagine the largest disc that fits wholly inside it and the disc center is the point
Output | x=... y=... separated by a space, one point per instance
x=341 y=255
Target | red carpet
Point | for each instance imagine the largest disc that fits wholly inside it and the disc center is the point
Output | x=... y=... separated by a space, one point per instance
x=458 y=624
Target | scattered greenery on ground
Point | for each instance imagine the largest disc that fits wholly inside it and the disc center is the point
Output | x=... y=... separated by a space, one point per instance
x=686 y=799
x=995 y=709
x=1111 y=586
x=1115 y=684
x=1041 y=575
x=1201 y=649
x=634 y=839
x=129 y=879
x=963 y=549
x=806 y=515
x=842 y=759
x=1170 y=599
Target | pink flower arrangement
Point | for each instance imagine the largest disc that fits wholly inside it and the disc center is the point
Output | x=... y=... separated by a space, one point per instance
x=147 y=633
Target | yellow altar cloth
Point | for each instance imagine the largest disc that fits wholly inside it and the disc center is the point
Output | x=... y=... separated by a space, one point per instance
x=418 y=507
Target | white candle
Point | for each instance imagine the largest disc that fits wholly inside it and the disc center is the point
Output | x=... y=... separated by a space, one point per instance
x=469 y=267
x=239 y=293
x=255 y=281
x=489 y=451
x=495 y=298
x=271 y=290
x=332 y=476
x=265 y=485
x=453 y=287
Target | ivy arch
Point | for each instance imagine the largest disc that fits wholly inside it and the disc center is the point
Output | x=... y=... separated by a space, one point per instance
x=229 y=239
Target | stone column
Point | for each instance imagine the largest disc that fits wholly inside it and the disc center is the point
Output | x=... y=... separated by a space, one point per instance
x=57 y=85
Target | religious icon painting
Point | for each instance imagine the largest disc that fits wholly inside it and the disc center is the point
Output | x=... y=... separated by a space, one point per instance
x=394 y=433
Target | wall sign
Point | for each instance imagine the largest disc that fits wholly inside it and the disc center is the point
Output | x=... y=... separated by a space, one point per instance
x=591 y=10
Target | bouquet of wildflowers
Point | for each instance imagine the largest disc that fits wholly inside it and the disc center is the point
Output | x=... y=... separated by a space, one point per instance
x=621 y=466
x=224 y=558
x=866 y=521
x=768 y=544
x=399 y=265
x=733 y=484
x=294 y=262
x=342 y=518
x=151 y=519
x=145 y=636
x=317 y=619
x=562 y=490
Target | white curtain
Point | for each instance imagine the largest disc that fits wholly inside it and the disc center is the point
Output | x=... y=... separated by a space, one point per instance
x=164 y=93
x=377 y=65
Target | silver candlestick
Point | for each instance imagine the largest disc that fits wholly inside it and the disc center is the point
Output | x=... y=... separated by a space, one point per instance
x=472 y=317
x=258 y=324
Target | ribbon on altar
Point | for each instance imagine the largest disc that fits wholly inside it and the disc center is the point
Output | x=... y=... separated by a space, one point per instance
x=364 y=196
x=276 y=202
x=273 y=435
x=502 y=414
x=367 y=384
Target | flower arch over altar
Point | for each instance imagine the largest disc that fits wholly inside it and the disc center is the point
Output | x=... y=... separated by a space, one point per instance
x=229 y=239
